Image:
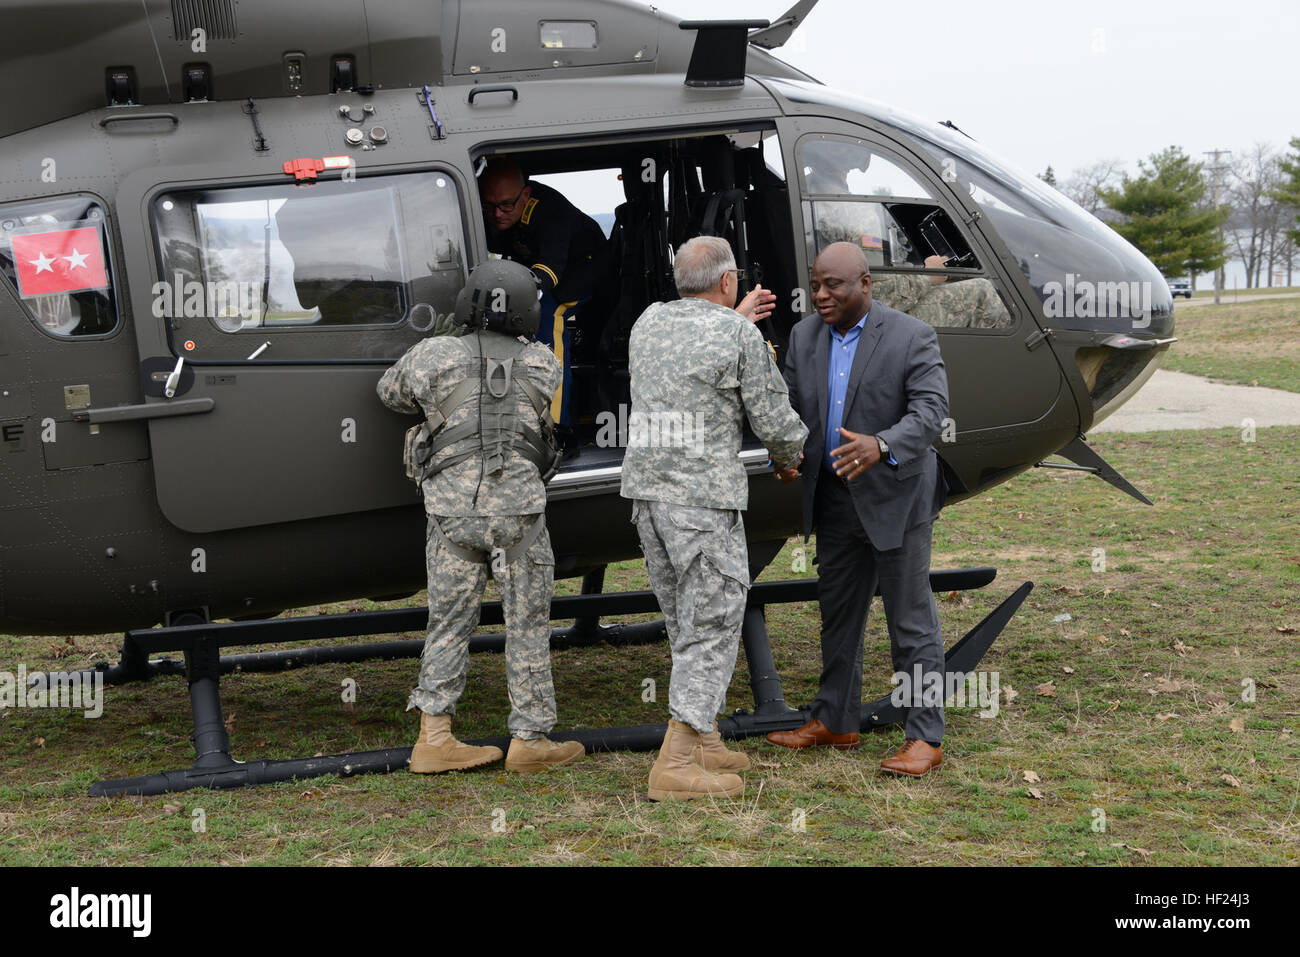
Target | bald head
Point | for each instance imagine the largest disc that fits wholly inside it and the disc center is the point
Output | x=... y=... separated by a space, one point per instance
x=502 y=169
x=504 y=192
x=850 y=256
x=841 y=285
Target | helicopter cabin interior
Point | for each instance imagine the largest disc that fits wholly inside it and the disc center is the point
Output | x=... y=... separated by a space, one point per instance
x=651 y=195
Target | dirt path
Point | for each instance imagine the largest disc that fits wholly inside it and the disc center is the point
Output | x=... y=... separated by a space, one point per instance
x=1176 y=400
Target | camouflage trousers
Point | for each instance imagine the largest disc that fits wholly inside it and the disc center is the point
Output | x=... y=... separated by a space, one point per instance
x=698 y=564
x=455 y=593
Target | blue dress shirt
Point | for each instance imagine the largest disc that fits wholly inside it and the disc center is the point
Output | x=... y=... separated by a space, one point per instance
x=843 y=349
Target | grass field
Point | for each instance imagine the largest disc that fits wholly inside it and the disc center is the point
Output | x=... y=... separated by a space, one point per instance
x=1228 y=295
x=1131 y=712
x=1253 y=343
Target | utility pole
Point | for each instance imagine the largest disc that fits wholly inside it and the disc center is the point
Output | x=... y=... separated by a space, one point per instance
x=1216 y=170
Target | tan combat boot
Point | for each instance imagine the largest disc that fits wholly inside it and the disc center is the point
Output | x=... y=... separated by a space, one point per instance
x=437 y=751
x=712 y=755
x=527 y=757
x=675 y=777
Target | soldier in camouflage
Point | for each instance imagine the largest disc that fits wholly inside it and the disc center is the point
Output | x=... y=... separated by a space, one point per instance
x=964 y=303
x=941 y=301
x=698 y=368
x=485 y=500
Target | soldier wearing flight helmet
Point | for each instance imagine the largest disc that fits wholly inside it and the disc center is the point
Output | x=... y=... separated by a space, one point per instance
x=482 y=457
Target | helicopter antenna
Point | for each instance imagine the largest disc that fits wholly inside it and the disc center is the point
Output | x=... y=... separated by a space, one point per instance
x=953 y=126
x=783 y=27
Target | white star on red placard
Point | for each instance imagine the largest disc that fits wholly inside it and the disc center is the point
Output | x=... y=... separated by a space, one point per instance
x=76 y=259
x=43 y=263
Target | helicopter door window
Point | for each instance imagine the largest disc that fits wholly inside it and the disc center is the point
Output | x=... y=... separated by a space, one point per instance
x=843 y=167
x=55 y=254
x=921 y=263
x=338 y=270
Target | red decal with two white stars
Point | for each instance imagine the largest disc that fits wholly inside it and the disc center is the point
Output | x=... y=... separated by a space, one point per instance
x=60 y=260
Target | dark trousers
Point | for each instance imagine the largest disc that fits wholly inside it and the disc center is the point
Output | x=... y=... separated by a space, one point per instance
x=849 y=569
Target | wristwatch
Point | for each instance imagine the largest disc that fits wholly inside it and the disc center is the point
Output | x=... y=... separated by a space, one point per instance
x=886 y=456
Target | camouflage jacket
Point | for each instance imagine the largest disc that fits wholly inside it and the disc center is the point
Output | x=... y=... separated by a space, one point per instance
x=958 y=303
x=426 y=376
x=698 y=369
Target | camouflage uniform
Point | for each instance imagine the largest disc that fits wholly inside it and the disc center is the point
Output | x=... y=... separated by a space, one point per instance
x=483 y=513
x=957 y=303
x=706 y=368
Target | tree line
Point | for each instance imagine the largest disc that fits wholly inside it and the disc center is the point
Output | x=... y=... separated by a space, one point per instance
x=1191 y=218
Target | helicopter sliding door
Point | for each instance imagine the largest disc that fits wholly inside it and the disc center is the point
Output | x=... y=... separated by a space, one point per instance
x=272 y=306
x=927 y=260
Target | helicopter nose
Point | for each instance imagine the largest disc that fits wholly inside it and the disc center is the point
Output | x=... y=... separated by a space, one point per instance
x=1114 y=313
x=1108 y=307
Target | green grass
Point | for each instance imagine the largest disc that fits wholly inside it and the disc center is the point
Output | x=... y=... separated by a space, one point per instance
x=1255 y=343
x=1199 y=593
x=1229 y=294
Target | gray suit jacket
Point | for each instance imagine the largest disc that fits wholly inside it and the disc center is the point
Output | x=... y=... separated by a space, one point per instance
x=897 y=390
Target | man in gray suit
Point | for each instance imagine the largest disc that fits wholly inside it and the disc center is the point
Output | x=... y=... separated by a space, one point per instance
x=869 y=383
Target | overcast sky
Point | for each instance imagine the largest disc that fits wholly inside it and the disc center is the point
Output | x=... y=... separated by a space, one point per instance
x=1063 y=84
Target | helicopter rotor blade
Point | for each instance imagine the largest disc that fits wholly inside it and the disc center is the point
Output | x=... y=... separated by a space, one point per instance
x=783 y=27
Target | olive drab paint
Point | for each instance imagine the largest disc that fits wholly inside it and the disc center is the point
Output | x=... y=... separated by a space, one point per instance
x=135 y=433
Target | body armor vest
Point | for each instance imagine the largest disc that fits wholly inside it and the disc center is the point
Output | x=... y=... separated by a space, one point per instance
x=497 y=426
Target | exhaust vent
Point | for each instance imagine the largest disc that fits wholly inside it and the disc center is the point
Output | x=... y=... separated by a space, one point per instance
x=215 y=17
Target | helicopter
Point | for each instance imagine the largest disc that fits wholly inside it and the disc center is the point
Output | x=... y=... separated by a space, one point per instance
x=220 y=223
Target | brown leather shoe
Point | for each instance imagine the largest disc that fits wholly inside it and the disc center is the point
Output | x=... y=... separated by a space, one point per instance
x=814 y=734
x=914 y=758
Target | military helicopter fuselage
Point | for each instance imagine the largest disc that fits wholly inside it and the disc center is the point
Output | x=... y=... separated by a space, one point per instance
x=219 y=225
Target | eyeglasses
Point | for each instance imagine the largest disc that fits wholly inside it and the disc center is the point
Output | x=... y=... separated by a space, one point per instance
x=507 y=207
x=740 y=274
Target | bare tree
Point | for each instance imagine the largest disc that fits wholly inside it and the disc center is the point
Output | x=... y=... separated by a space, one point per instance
x=1084 y=183
x=1255 y=221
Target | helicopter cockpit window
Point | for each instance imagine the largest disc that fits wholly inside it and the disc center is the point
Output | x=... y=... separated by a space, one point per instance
x=55 y=254
x=335 y=270
x=921 y=263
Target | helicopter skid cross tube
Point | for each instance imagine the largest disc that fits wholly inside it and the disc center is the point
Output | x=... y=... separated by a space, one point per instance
x=585 y=609
x=215 y=768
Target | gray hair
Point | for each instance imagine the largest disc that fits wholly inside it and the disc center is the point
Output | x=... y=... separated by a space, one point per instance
x=701 y=263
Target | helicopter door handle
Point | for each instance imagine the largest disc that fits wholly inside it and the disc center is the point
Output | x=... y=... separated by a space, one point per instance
x=157 y=410
x=514 y=93
x=173 y=380
x=107 y=121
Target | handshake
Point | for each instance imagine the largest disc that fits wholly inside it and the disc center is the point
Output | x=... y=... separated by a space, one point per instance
x=860 y=453
x=790 y=473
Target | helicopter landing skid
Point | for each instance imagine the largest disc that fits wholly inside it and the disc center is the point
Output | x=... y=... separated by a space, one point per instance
x=203 y=665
